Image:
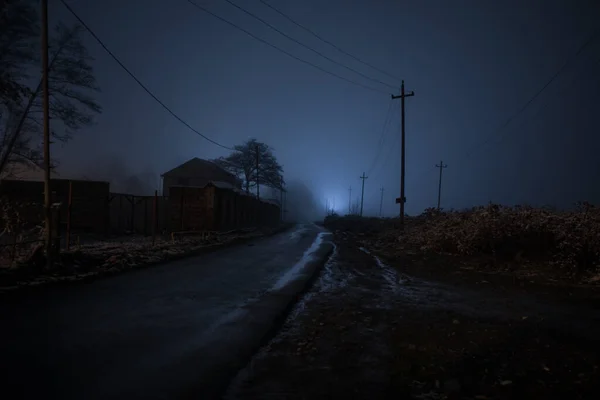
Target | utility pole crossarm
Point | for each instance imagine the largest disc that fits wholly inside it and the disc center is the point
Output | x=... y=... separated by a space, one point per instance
x=407 y=94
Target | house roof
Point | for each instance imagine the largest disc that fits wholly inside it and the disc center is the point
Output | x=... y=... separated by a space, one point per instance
x=197 y=163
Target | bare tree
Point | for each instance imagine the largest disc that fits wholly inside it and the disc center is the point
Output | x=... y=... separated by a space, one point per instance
x=19 y=30
x=242 y=163
x=71 y=82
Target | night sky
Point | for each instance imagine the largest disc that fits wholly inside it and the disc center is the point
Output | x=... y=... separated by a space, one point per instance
x=472 y=65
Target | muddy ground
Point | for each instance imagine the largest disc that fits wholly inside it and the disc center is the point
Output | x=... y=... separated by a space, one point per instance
x=372 y=330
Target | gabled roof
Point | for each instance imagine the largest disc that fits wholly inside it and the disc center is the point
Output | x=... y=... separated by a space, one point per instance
x=197 y=163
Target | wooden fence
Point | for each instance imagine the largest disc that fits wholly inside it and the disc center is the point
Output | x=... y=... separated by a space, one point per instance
x=137 y=214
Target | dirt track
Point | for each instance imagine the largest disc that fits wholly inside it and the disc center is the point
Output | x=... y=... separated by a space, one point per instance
x=368 y=330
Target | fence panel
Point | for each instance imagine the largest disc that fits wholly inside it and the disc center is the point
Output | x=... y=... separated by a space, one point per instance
x=136 y=214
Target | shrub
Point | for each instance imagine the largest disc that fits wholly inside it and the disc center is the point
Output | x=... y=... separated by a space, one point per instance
x=567 y=238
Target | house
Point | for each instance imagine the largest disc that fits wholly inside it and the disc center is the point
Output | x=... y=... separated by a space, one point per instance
x=197 y=173
x=218 y=206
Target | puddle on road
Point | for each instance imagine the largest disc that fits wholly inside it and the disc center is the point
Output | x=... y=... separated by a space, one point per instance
x=434 y=295
x=419 y=292
x=296 y=234
x=299 y=266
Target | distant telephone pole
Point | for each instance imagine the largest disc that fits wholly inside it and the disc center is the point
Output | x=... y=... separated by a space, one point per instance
x=402 y=198
x=441 y=167
x=281 y=197
x=362 y=196
x=350 y=200
x=257 y=170
x=381 y=203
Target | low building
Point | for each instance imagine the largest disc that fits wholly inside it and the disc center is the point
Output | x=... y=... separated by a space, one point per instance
x=218 y=206
x=197 y=173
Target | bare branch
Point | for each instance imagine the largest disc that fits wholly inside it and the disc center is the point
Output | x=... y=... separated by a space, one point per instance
x=71 y=82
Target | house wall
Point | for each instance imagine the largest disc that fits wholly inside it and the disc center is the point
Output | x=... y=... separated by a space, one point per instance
x=191 y=209
x=214 y=209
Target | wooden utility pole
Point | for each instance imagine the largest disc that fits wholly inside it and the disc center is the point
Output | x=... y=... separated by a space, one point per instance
x=441 y=167
x=284 y=204
x=362 y=196
x=257 y=170
x=349 y=200
x=402 y=198
x=381 y=203
x=46 y=126
x=281 y=198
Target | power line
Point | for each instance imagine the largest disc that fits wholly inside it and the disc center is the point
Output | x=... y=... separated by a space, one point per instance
x=281 y=50
x=306 y=46
x=381 y=137
x=593 y=36
x=326 y=41
x=573 y=81
x=132 y=75
x=390 y=150
x=590 y=39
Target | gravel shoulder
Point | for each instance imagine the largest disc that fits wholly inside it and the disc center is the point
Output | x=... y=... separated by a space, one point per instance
x=370 y=328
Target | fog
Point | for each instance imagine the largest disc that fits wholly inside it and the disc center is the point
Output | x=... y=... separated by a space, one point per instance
x=475 y=71
x=116 y=171
x=301 y=203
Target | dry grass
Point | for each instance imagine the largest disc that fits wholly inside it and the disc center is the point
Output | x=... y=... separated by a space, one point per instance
x=566 y=241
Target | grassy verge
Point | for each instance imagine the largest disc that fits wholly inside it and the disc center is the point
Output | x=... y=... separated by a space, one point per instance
x=109 y=258
x=526 y=242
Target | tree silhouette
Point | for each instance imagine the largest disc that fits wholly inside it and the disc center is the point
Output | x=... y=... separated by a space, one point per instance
x=243 y=163
x=70 y=79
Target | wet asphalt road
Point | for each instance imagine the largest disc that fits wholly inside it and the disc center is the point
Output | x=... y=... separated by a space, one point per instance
x=144 y=334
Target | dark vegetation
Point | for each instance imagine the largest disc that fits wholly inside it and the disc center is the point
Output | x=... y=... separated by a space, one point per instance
x=109 y=257
x=563 y=244
x=71 y=82
x=253 y=162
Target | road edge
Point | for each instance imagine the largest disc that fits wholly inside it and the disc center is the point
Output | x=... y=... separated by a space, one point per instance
x=25 y=290
x=288 y=296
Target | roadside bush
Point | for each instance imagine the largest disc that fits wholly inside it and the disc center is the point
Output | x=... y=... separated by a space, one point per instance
x=568 y=238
